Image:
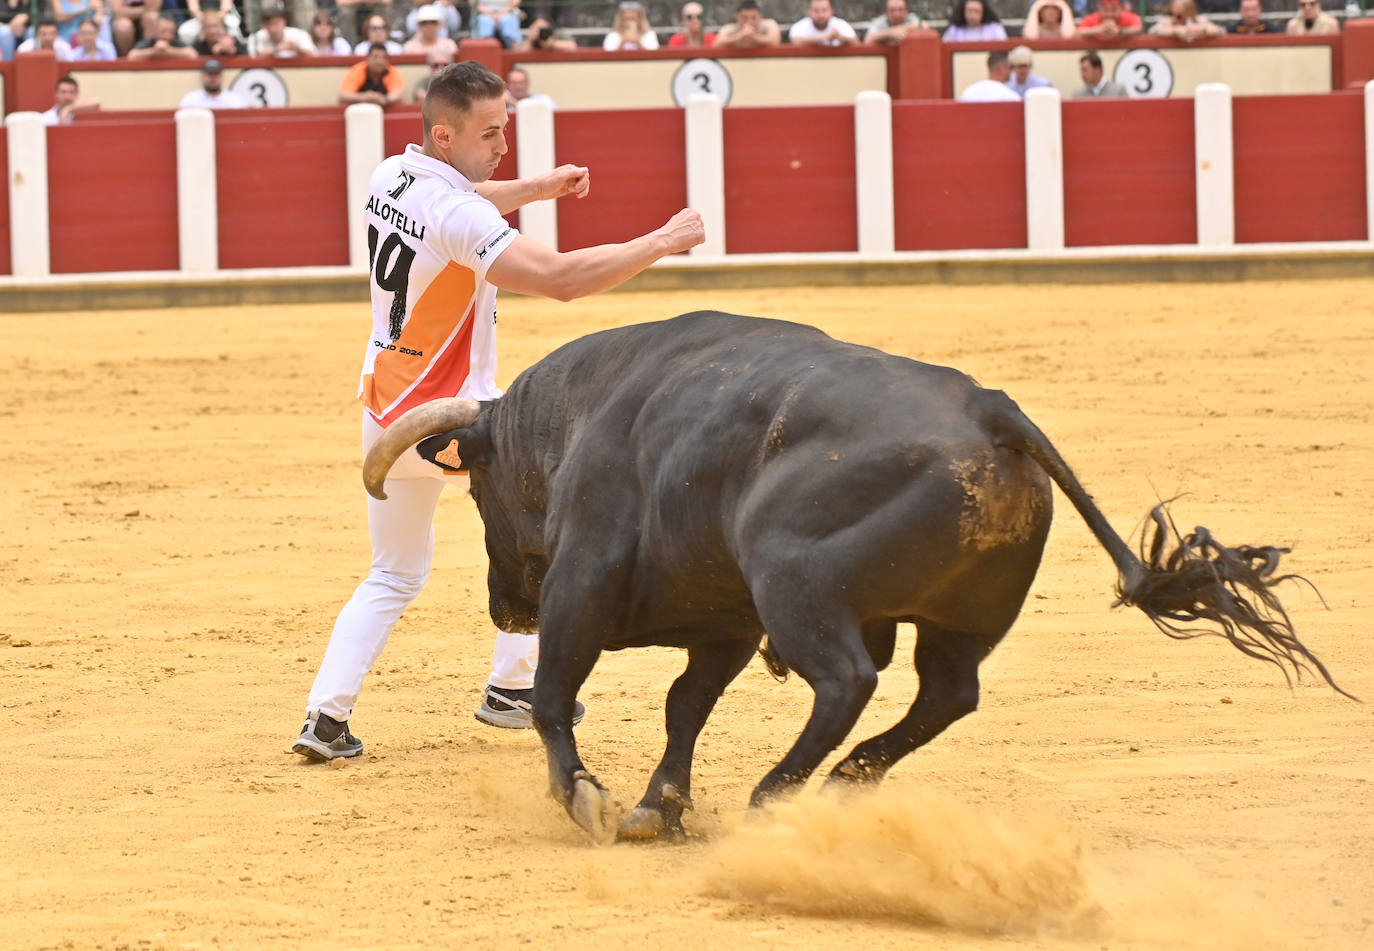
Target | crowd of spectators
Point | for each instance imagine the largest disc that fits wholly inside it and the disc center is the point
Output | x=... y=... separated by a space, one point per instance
x=138 y=29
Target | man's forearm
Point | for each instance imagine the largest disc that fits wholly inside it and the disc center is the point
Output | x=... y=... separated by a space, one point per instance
x=511 y=194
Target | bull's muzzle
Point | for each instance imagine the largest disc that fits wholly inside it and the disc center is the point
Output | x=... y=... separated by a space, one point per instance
x=428 y=419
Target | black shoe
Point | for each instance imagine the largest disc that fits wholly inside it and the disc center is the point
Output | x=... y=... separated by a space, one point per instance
x=511 y=708
x=323 y=738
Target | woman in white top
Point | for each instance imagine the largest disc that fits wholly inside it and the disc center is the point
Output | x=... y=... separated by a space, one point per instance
x=325 y=32
x=631 y=30
x=1048 y=20
x=974 y=20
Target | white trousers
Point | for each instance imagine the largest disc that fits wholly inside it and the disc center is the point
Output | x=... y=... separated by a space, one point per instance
x=402 y=530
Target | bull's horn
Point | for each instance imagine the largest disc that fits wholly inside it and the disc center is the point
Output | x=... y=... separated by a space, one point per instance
x=427 y=419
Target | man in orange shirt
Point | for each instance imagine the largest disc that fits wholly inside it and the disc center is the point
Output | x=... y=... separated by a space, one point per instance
x=372 y=80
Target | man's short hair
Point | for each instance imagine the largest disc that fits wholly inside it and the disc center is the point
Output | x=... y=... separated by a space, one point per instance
x=67 y=80
x=997 y=57
x=747 y=5
x=272 y=12
x=457 y=87
x=373 y=47
x=1092 y=59
x=46 y=21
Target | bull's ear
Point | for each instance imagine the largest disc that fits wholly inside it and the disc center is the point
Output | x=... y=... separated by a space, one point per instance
x=443 y=450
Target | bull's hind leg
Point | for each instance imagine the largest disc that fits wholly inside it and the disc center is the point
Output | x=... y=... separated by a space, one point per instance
x=710 y=668
x=947 y=664
x=828 y=652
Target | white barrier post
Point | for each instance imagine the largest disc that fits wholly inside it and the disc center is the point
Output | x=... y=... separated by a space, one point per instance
x=534 y=131
x=197 y=198
x=873 y=172
x=364 y=145
x=1369 y=156
x=1214 y=153
x=1044 y=170
x=704 y=116
x=27 y=139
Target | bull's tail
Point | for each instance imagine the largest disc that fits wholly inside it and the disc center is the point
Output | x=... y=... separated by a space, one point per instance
x=1179 y=580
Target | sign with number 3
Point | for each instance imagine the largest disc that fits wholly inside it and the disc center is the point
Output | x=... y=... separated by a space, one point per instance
x=1145 y=73
x=261 y=87
x=702 y=75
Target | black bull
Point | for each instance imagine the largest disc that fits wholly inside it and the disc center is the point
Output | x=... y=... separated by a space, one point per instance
x=708 y=480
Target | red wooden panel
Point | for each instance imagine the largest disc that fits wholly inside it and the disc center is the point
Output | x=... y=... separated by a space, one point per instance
x=1129 y=175
x=959 y=174
x=283 y=190
x=789 y=179
x=1300 y=172
x=121 y=222
x=6 y=267
x=638 y=165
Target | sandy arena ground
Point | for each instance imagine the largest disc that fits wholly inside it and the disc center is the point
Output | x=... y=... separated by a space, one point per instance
x=183 y=518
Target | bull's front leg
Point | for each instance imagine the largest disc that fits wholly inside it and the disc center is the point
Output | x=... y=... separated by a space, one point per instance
x=710 y=668
x=569 y=645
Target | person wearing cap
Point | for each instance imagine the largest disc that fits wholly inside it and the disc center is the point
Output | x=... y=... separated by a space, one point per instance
x=1095 y=84
x=163 y=43
x=994 y=88
x=750 y=30
x=427 y=38
x=498 y=19
x=1109 y=21
x=212 y=94
x=277 y=38
x=373 y=80
x=377 y=30
x=820 y=27
x=630 y=30
x=1022 y=79
x=215 y=38
x=453 y=19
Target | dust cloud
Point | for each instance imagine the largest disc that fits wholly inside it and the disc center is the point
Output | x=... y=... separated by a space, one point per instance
x=930 y=860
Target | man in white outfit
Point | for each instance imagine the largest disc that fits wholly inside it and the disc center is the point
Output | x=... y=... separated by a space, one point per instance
x=440 y=248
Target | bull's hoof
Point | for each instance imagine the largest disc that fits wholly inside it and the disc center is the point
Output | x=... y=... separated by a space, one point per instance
x=593 y=809
x=642 y=825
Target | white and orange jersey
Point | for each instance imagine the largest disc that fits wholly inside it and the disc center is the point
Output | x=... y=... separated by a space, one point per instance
x=430 y=239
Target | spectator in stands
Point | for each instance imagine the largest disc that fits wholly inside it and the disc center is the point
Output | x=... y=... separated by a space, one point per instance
x=373 y=80
x=820 y=27
x=499 y=19
x=89 y=47
x=129 y=23
x=45 y=38
x=994 y=88
x=352 y=17
x=70 y=14
x=191 y=28
x=751 y=28
x=1095 y=84
x=973 y=20
x=436 y=62
x=162 y=43
x=630 y=30
x=543 y=35
x=1183 y=22
x=325 y=32
x=427 y=39
x=1048 y=20
x=377 y=30
x=450 y=24
x=14 y=23
x=277 y=38
x=693 y=33
x=66 y=103
x=895 y=23
x=1023 y=80
x=518 y=88
x=1251 y=20
x=1110 y=21
x=1310 y=21
x=212 y=94
x=214 y=39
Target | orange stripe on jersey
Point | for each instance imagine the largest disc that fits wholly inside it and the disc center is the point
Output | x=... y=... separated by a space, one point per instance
x=416 y=361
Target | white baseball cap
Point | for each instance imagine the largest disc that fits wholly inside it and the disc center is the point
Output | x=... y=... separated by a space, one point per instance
x=429 y=13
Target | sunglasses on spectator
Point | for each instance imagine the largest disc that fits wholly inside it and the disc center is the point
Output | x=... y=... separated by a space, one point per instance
x=436 y=66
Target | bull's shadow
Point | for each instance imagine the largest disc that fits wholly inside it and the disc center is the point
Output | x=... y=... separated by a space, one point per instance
x=731 y=484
